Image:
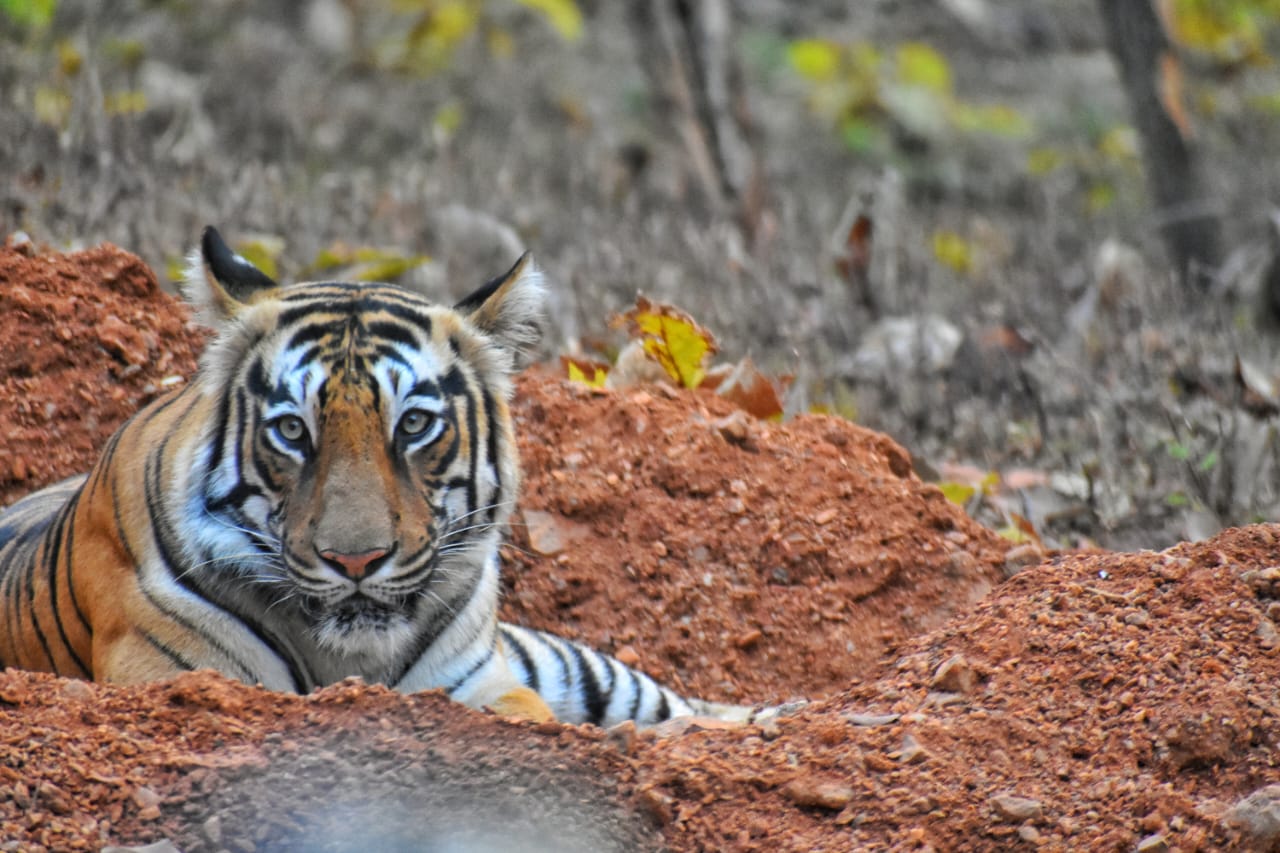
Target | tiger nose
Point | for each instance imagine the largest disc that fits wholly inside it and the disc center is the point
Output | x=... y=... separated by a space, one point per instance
x=353 y=566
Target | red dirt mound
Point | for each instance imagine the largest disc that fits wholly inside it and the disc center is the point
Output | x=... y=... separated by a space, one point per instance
x=1096 y=702
x=735 y=558
x=85 y=339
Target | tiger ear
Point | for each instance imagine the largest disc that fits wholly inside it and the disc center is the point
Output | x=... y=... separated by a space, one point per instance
x=510 y=309
x=220 y=283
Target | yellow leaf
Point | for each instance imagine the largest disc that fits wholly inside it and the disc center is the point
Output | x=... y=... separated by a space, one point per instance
x=563 y=15
x=958 y=493
x=448 y=118
x=500 y=42
x=953 y=251
x=672 y=338
x=452 y=22
x=387 y=268
x=589 y=373
x=920 y=65
x=52 y=106
x=1100 y=197
x=1228 y=31
x=69 y=58
x=365 y=263
x=1014 y=534
x=1119 y=143
x=262 y=251
x=996 y=119
x=1042 y=161
x=124 y=103
x=815 y=59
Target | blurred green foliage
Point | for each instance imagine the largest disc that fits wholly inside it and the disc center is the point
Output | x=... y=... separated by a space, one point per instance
x=29 y=13
x=433 y=30
x=869 y=91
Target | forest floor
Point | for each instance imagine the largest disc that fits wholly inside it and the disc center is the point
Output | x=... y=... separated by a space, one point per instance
x=1027 y=263
x=966 y=694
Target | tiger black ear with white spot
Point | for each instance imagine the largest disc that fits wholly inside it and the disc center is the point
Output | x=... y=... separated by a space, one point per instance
x=219 y=283
x=511 y=309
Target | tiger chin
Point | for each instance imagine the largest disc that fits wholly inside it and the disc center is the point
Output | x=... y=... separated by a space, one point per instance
x=325 y=498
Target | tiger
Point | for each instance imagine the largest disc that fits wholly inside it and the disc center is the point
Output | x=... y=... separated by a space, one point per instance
x=326 y=497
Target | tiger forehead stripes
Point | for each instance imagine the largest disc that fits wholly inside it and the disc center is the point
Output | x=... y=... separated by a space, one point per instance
x=324 y=499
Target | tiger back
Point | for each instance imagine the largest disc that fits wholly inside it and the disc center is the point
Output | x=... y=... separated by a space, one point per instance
x=325 y=498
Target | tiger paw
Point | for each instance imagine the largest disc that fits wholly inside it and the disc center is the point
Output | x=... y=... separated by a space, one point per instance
x=523 y=704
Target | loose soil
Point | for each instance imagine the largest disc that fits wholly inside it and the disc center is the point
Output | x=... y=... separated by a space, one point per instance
x=1094 y=701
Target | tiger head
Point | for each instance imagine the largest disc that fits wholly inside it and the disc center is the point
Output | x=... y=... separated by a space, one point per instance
x=361 y=459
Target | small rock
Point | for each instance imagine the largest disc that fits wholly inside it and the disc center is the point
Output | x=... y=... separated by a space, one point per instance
x=1016 y=809
x=157 y=847
x=627 y=656
x=1138 y=618
x=818 y=792
x=1267 y=634
x=54 y=798
x=212 y=829
x=677 y=726
x=826 y=516
x=1156 y=843
x=623 y=736
x=749 y=638
x=1257 y=817
x=955 y=675
x=78 y=690
x=145 y=798
x=661 y=806
x=1019 y=557
x=871 y=720
x=1029 y=834
x=734 y=427
x=551 y=533
x=912 y=752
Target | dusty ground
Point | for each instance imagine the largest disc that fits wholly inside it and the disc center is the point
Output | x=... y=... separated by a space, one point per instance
x=1100 y=702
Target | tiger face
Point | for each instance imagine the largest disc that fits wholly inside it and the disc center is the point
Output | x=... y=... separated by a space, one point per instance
x=370 y=464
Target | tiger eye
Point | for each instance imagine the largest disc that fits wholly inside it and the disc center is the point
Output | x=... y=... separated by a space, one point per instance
x=291 y=428
x=415 y=422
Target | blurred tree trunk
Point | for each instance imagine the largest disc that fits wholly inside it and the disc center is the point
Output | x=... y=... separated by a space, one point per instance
x=1188 y=219
x=686 y=49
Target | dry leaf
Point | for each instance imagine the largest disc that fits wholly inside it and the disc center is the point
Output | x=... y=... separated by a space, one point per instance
x=1170 y=89
x=751 y=390
x=588 y=371
x=672 y=338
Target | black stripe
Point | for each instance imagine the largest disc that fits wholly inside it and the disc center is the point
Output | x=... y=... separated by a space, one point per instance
x=51 y=564
x=30 y=570
x=473 y=448
x=174 y=658
x=566 y=674
x=526 y=660
x=638 y=688
x=474 y=669
x=493 y=438
x=313 y=332
x=592 y=696
x=385 y=353
x=392 y=332
x=68 y=564
x=664 y=709
x=220 y=420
